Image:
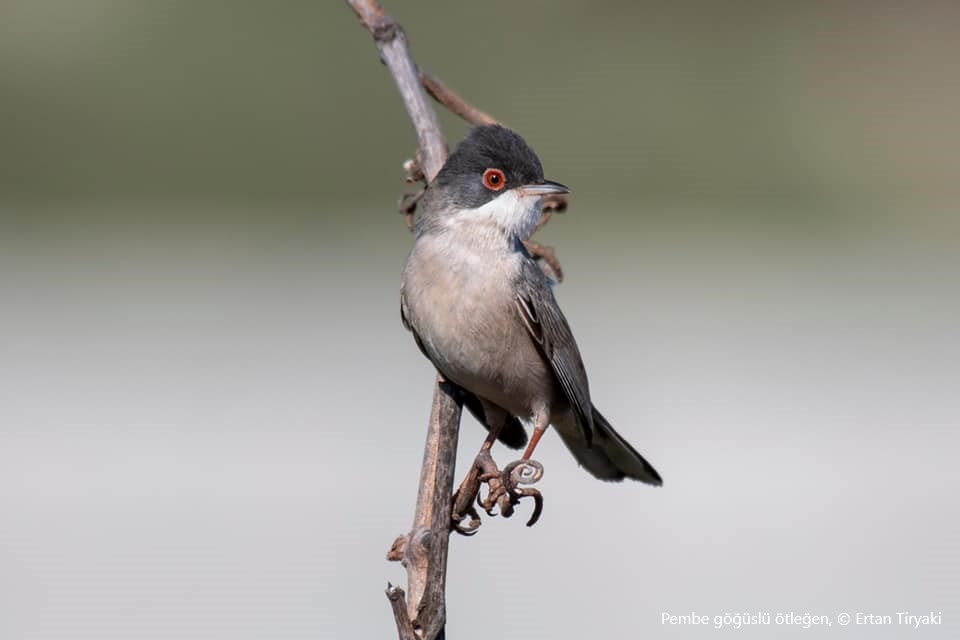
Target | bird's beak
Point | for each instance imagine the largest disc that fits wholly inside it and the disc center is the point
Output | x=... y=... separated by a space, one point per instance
x=547 y=187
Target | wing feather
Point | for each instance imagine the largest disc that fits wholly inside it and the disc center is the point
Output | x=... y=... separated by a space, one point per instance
x=551 y=333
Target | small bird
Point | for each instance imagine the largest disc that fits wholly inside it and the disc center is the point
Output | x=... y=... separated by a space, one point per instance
x=483 y=312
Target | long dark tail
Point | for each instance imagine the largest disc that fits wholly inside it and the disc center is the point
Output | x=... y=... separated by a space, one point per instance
x=611 y=457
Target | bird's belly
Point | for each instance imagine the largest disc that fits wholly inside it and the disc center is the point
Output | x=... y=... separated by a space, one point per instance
x=472 y=332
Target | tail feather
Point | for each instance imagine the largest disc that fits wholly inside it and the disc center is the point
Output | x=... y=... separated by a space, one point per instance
x=610 y=457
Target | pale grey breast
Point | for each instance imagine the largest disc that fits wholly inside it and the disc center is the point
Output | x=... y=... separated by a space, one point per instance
x=466 y=318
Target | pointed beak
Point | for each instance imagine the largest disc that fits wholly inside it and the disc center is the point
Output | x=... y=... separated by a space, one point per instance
x=547 y=187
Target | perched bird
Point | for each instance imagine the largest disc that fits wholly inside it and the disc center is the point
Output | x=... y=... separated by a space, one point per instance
x=483 y=312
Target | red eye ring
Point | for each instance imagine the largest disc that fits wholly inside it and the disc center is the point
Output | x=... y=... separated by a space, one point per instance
x=494 y=179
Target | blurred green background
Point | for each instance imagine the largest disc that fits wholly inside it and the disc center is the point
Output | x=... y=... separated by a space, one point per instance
x=211 y=418
x=797 y=109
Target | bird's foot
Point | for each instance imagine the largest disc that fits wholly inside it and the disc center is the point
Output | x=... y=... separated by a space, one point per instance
x=463 y=502
x=504 y=491
x=515 y=474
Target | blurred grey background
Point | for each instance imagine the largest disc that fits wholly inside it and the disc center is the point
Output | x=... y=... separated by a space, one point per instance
x=211 y=420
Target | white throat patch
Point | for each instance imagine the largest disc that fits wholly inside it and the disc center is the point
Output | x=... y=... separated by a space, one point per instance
x=515 y=213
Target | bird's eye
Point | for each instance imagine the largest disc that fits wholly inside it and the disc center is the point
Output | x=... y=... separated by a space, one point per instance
x=494 y=179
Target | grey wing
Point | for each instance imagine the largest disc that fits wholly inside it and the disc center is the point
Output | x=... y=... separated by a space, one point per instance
x=549 y=329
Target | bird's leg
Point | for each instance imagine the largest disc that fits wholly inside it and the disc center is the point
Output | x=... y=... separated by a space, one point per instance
x=492 y=436
x=541 y=420
x=534 y=439
x=483 y=469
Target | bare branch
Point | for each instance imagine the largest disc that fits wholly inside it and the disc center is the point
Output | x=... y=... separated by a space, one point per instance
x=398 y=602
x=428 y=545
x=452 y=100
x=424 y=550
x=395 y=53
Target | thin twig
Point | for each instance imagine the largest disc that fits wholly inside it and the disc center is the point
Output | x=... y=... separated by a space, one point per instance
x=452 y=100
x=398 y=602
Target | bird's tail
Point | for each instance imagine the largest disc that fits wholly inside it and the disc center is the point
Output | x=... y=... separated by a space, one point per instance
x=610 y=457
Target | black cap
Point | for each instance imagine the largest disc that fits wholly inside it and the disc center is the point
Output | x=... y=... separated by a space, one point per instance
x=488 y=147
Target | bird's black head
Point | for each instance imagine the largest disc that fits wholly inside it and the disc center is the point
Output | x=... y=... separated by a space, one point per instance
x=490 y=161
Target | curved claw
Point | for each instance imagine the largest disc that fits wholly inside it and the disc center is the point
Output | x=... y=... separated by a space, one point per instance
x=506 y=504
x=494 y=493
x=518 y=473
x=463 y=504
x=471 y=526
x=537 y=503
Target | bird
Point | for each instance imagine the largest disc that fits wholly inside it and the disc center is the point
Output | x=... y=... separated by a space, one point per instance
x=484 y=313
